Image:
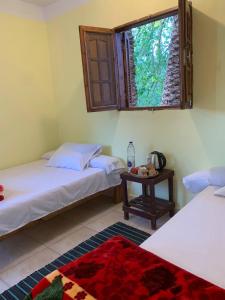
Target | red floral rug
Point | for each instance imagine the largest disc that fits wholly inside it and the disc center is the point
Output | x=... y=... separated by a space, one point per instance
x=120 y=270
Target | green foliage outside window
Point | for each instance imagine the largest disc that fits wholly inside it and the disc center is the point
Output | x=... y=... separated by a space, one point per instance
x=151 y=52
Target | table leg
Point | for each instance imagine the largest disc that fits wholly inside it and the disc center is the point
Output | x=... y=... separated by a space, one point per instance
x=170 y=186
x=152 y=192
x=125 y=199
x=153 y=223
x=153 y=203
x=144 y=190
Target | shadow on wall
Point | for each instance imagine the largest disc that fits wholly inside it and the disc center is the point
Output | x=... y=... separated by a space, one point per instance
x=87 y=127
x=49 y=126
x=205 y=41
x=25 y=148
x=208 y=114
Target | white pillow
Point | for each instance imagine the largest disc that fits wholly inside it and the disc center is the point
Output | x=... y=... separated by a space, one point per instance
x=220 y=192
x=108 y=163
x=197 y=181
x=48 y=155
x=74 y=156
x=217 y=176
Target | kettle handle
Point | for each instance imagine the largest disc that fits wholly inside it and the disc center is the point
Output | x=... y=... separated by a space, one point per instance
x=161 y=159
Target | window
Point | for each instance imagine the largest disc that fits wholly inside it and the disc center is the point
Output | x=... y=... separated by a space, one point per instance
x=153 y=63
x=145 y=64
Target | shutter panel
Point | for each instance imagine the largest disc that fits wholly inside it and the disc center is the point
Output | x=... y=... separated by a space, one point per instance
x=99 y=66
x=186 y=53
x=121 y=62
x=131 y=84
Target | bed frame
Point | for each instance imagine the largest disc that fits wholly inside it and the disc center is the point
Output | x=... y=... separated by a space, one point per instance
x=115 y=193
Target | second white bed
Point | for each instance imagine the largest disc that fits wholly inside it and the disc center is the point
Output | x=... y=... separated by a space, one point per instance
x=194 y=239
x=34 y=191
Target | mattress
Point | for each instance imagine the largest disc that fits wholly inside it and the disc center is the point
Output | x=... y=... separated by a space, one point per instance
x=194 y=239
x=33 y=191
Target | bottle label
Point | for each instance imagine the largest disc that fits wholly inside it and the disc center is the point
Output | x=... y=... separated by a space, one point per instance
x=129 y=164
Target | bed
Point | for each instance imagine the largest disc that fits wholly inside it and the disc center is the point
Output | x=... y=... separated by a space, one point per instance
x=34 y=191
x=195 y=238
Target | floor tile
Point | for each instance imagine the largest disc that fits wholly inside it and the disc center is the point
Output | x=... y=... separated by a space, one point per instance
x=17 y=248
x=37 y=246
x=105 y=221
x=118 y=207
x=92 y=210
x=72 y=240
x=15 y=274
x=56 y=229
x=53 y=230
x=117 y=216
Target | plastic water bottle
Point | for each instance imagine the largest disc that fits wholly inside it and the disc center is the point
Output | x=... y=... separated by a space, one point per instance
x=130 y=156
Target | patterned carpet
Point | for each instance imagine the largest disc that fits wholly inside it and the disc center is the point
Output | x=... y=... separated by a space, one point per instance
x=19 y=291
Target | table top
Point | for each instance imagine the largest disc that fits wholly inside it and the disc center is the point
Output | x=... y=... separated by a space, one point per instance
x=163 y=175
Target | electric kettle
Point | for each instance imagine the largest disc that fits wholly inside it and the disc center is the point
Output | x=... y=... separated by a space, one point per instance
x=157 y=159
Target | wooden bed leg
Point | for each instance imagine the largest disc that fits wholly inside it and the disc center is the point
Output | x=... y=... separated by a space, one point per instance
x=117 y=195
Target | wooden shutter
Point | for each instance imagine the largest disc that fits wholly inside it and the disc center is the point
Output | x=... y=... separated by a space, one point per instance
x=186 y=53
x=130 y=69
x=99 y=66
x=121 y=63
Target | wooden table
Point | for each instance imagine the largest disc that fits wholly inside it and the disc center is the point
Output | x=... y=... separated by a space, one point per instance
x=148 y=205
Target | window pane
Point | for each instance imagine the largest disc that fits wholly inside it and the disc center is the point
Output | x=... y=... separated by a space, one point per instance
x=153 y=63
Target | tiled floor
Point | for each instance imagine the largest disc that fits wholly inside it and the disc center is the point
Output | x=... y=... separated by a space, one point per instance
x=35 y=247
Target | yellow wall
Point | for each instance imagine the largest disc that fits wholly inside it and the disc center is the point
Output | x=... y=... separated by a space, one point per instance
x=28 y=125
x=34 y=108
x=191 y=139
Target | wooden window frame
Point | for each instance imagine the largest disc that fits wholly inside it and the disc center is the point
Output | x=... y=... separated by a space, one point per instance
x=147 y=19
x=122 y=66
x=184 y=12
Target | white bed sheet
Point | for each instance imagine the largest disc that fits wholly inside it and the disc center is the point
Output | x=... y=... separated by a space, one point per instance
x=33 y=191
x=195 y=238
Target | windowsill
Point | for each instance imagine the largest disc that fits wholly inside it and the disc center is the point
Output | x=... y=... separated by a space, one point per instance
x=151 y=108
